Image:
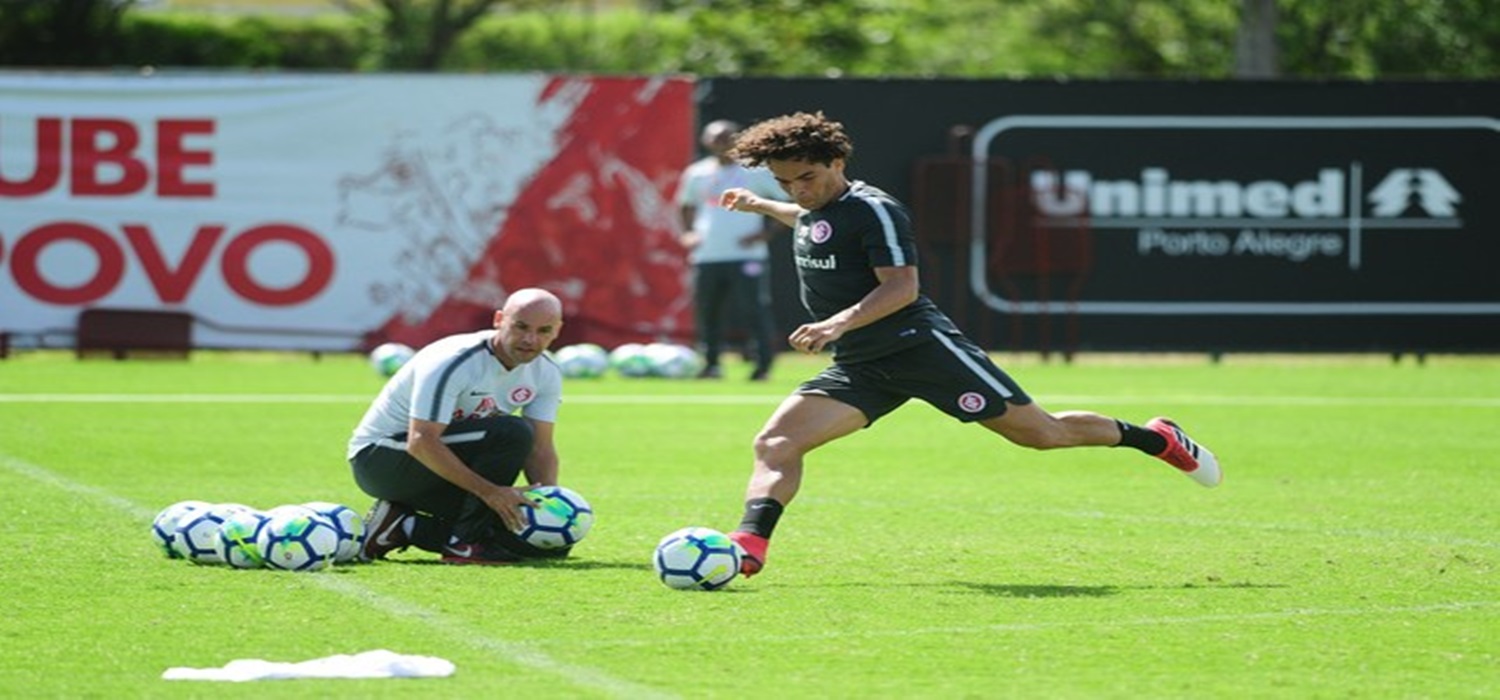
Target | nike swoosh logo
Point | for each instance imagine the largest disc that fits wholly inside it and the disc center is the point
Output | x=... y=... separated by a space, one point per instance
x=466 y=550
x=383 y=538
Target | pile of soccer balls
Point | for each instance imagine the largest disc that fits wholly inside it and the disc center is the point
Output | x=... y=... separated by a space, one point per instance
x=305 y=537
x=633 y=360
x=317 y=535
x=582 y=360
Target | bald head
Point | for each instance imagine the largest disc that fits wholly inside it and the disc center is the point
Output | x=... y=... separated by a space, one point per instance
x=527 y=323
x=718 y=136
x=534 y=299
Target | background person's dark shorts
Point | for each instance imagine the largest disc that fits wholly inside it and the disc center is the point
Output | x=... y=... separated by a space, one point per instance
x=949 y=371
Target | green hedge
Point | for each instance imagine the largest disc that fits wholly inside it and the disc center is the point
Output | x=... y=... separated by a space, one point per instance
x=626 y=42
x=262 y=42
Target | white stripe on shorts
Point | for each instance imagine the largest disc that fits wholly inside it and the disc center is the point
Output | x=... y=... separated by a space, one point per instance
x=963 y=357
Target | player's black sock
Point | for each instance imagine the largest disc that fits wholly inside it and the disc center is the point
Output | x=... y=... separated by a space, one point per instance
x=1148 y=441
x=761 y=515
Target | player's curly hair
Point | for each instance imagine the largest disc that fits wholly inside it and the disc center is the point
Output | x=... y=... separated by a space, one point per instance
x=813 y=138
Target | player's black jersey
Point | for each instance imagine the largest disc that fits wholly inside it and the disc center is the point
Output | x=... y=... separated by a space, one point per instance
x=837 y=249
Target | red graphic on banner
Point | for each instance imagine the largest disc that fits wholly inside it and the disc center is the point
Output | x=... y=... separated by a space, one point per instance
x=595 y=225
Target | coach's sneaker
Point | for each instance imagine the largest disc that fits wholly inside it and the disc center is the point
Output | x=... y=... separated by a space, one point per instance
x=385 y=530
x=1189 y=457
x=466 y=553
x=752 y=552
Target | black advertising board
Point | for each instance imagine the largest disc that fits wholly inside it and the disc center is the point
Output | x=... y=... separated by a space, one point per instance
x=1210 y=216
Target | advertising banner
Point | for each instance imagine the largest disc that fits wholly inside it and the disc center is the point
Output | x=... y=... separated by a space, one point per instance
x=328 y=212
x=1221 y=216
x=1265 y=215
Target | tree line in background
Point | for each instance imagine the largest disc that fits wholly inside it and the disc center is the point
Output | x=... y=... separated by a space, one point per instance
x=1359 y=39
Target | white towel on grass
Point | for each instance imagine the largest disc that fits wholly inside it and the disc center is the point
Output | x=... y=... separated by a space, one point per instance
x=379 y=663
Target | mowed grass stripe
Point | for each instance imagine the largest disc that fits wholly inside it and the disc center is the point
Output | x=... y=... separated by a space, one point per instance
x=1100 y=625
x=750 y=399
x=521 y=654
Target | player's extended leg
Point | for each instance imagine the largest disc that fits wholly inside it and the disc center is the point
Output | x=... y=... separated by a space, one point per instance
x=800 y=424
x=1030 y=426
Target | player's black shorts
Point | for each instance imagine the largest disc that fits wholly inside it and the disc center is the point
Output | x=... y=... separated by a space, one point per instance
x=949 y=372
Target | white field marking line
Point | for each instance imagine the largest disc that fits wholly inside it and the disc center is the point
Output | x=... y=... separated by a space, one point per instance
x=523 y=655
x=519 y=654
x=1275 y=615
x=748 y=399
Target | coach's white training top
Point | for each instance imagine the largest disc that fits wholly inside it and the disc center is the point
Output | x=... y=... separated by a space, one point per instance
x=454 y=379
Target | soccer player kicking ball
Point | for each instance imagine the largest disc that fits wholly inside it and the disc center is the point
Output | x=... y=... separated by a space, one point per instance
x=856 y=265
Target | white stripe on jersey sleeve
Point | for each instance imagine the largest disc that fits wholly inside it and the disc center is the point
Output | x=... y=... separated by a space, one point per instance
x=887 y=227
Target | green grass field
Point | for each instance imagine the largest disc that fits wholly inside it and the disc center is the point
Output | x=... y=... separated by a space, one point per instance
x=1351 y=551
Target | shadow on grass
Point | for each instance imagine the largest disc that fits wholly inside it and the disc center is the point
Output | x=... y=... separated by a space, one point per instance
x=1062 y=591
x=1038 y=591
x=564 y=563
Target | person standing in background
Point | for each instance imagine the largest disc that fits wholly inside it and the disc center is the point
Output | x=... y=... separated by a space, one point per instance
x=728 y=251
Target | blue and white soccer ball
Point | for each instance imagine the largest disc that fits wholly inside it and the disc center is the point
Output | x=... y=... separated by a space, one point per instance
x=557 y=517
x=350 y=525
x=197 y=532
x=237 y=542
x=582 y=361
x=673 y=361
x=386 y=358
x=293 y=541
x=630 y=360
x=164 y=526
x=697 y=558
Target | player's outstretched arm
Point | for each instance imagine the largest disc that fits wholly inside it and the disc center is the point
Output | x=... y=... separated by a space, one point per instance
x=741 y=199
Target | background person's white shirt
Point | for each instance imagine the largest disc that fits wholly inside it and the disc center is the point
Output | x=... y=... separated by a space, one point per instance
x=721 y=229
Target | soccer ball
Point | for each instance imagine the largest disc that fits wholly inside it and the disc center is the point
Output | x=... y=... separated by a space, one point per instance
x=197 y=534
x=582 y=361
x=293 y=541
x=630 y=360
x=697 y=558
x=673 y=361
x=386 y=358
x=236 y=544
x=557 y=517
x=164 y=527
x=350 y=525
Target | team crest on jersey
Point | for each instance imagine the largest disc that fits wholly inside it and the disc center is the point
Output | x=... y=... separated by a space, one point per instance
x=821 y=232
x=522 y=395
x=972 y=402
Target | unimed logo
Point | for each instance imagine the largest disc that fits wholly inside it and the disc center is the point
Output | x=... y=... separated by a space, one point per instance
x=1300 y=204
x=1296 y=220
x=1403 y=192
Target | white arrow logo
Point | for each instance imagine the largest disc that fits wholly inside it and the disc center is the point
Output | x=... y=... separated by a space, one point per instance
x=1420 y=187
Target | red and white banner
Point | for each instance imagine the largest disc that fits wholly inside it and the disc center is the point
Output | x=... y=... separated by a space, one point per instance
x=321 y=212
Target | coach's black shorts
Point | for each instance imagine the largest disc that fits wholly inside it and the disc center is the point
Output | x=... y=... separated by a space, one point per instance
x=949 y=372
